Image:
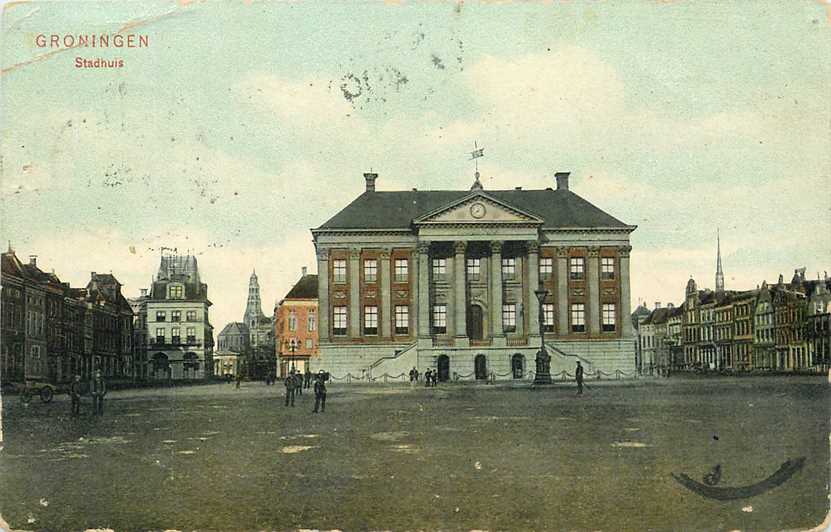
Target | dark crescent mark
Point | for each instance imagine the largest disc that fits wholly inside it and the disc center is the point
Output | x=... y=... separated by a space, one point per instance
x=785 y=471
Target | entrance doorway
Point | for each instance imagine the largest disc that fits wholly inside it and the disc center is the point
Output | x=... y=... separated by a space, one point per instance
x=474 y=322
x=517 y=365
x=480 y=365
x=443 y=366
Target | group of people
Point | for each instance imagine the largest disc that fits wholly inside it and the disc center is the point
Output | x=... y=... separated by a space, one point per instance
x=431 y=377
x=97 y=389
x=295 y=382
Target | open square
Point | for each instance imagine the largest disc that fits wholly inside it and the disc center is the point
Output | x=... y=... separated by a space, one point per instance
x=396 y=457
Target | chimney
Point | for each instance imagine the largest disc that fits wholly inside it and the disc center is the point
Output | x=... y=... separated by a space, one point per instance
x=33 y=260
x=370 y=181
x=143 y=292
x=562 y=180
x=657 y=305
x=303 y=271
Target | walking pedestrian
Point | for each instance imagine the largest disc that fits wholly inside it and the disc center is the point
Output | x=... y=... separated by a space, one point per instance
x=75 y=392
x=412 y=376
x=578 y=375
x=428 y=377
x=435 y=376
x=239 y=379
x=290 y=383
x=98 y=390
x=320 y=392
x=308 y=378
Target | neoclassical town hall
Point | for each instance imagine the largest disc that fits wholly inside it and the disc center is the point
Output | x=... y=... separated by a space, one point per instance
x=446 y=279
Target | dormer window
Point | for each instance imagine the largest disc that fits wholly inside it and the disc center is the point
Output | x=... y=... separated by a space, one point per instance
x=176 y=291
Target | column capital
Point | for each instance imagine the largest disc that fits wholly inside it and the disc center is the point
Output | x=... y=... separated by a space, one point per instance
x=533 y=246
x=322 y=254
x=623 y=251
x=459 y=247
x=562 y=252
x=354 y=253
x=385 y=254
x=594 y=251
x=496 y=246
x=423 y=248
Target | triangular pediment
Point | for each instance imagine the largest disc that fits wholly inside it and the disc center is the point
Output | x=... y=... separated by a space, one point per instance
x=478 y=208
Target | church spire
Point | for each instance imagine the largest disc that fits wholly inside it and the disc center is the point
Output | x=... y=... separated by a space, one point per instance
x=719 y=272
x=253 y=308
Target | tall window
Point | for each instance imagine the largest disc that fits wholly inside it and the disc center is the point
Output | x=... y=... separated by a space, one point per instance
x=473 y=268
x=160 y=335
x=609 y=317
x=370 y=270
x=402 y=319
x=439 y=319
x=175 y=315
x=309 y=343
x=176 y=291
x=175 y=335
x=339 y=270
x=191 y=315
x=607 y=268
x=508 y=267
x=509 y=317
x=577 y=268
x=578 y=317
x=370 y=319
x=191 y=333
x=439 y=268
x=311 y=321
x=546 y=267
x=161 y=315
x=339 y=321
x=292 y=321
x=548 y=317
x=402 y=270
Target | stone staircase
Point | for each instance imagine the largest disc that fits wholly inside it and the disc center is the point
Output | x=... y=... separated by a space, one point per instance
x=400 y=362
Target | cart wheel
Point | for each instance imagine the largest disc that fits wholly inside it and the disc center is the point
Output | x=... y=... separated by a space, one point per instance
x=46 y=394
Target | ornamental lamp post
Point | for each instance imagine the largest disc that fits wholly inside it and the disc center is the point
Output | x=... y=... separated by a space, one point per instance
x=543 y=373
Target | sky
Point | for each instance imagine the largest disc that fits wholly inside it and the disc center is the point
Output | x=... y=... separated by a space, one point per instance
x=244 y=124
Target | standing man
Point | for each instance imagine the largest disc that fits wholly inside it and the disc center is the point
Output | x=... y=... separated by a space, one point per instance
x=320 y=392
x=98 y=390
x=75 y=394
x=308 y=378
x=428 y=377
x=239 y=379
x=290 y=383
x=578 y=375
x=298 y=383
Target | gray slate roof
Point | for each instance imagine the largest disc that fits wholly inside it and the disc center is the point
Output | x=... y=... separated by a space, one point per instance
x=306 y=288
x=396 y=210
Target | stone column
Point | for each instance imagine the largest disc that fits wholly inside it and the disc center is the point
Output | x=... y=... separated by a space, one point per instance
x=531 y=301
x=386 y=307
x=323 y=310
x=354 y=293
x=459 y=292
x=625 y=303
x=495 y=272
x=593 y=295
x=424 y=290
x=562 y=291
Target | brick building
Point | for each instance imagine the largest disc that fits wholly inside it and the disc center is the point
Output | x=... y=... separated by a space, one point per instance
x=446 y=279
x=296 y=325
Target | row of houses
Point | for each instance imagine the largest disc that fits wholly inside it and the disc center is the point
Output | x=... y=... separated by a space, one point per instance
x=51 y=331
x=780 y=327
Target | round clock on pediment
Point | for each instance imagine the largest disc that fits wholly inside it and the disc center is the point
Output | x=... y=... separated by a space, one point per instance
x=477 y=210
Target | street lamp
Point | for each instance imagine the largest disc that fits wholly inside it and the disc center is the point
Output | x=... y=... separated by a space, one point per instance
x=543 y=373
